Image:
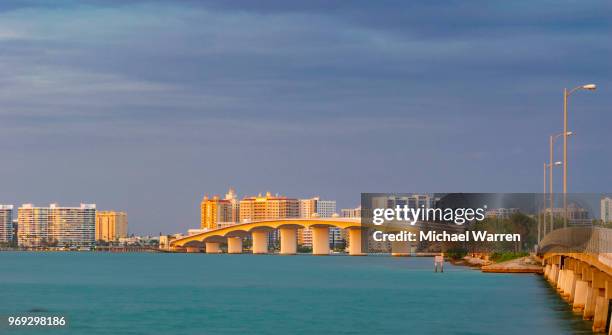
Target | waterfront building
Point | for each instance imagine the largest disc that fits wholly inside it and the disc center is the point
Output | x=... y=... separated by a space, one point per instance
x=351 y=212
x=315 y=207
x=33 y=226
x=268 y=207
x=56 y=226
x=111 y=225
x=6 y=224
x=72 y=226
x=606 y=210
x=214 y=210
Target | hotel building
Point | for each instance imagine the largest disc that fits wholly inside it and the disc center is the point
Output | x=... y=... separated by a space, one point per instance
x=268 y=207
x=6 y=223
x=216 y=212
x=56 y=226
x=111 y=226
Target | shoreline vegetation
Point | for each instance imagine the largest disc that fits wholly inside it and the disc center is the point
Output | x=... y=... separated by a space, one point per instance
x=506 y=262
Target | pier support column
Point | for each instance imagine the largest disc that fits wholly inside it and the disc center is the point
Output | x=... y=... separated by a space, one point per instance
x=193 y=250
x=288 y=241
x=400 y=248
x=355 y=242
x=260 y=242
x=560 y=279
x=580 y=295
x=234 y=245
x=554 y=268
x=547 y=271
x=600 y=315
x=320 y=240
x=567 y=285
x=589 y=307
x=213 y=248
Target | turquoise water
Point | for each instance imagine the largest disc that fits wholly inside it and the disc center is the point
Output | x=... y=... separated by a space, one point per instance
x=144 y=293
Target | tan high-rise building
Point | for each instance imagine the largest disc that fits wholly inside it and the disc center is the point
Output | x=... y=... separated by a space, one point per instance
x=214 y=211
x=111 y=226
x=268 y=207
x=56 y=226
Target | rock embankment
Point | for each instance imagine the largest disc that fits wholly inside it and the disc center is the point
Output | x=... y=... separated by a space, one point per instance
x=525 y=264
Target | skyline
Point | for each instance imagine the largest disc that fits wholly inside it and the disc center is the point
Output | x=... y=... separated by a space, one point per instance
x=148 y=106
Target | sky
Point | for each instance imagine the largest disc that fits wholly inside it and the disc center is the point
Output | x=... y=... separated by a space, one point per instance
x=145 y=106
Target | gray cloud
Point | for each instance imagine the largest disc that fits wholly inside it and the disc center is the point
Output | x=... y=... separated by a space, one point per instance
x=147 y=105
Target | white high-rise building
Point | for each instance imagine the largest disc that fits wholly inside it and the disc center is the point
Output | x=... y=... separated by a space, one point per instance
x=56 y=226
x=315 y=207
x=6 y=223
x=606 y=210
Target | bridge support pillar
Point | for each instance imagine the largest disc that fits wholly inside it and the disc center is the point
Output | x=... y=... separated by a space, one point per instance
x=355 y=242
x=320 y=240
x=554 y=274
x=260 y=242
x=213 y=248
x=288 y=241
x=567 y=285
x=580 y=295
x=561 y=280
x=234 y=245
x=400 y=248
x=193 y=250
x=600 y=313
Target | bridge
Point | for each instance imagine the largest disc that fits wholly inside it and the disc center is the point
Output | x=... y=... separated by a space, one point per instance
x=578 y=263
x=259 y=231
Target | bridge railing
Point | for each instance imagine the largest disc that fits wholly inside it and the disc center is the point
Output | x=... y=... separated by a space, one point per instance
x=578 y=239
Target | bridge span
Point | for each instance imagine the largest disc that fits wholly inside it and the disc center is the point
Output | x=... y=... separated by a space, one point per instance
x=259 y=231
x=578 y=263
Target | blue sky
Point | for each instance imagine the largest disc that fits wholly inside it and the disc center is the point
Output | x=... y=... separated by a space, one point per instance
x=145 y=106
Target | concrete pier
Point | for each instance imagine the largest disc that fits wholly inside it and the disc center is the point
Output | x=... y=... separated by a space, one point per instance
x=580 y=296
x=260 y=242
x=400 y=248
x=288 y=241
x=581 y=282
x=234 y=245
x=213 y=248
x=355 y=242
x=320 y=240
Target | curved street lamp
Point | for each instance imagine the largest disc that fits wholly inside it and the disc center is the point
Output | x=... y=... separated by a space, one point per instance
x=566 y=94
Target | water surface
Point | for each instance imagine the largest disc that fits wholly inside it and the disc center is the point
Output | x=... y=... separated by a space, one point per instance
x=145 y=293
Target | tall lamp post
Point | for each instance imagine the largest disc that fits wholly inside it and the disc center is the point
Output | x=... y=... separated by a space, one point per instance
x=552 y=217
x=566 y=94
x=551 y=143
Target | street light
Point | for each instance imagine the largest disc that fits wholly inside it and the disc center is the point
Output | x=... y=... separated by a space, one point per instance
x=566 y=94
x=548 y=166
x=551 y=142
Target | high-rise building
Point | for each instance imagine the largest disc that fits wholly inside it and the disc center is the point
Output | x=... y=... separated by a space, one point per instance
x=56 y=226
x=72 y=226
x=111 y=226
x=351 y=212
x=6 y=223
x=606 y=210
x=214 y=210
x=268 y=207
x=315 y=207
x=33 y=223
